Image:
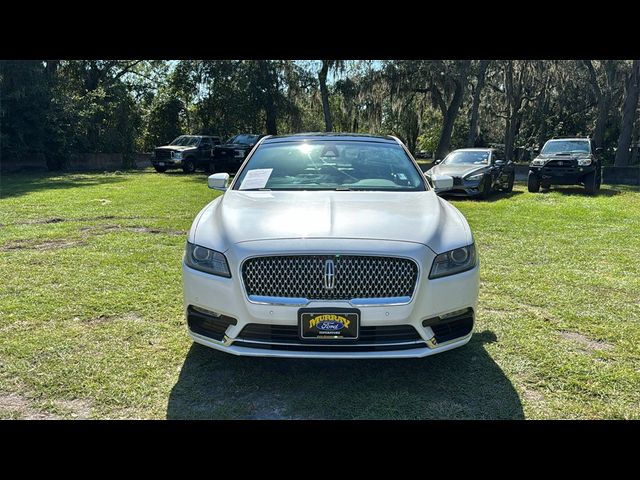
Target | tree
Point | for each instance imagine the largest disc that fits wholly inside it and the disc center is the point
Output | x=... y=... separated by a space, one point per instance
x=632 y=92
x=474 y=130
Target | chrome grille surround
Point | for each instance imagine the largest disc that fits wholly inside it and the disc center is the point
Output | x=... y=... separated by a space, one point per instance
x=361 y=279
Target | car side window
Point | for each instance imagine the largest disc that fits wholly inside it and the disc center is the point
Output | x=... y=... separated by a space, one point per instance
x=205 y=142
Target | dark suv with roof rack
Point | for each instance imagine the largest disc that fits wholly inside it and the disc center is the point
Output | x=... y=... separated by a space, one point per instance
x=566 y=161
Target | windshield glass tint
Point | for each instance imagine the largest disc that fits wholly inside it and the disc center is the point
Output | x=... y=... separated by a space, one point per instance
x=565 y=146
x=185 y=140
x=467 y=158
x=331 y=165
x=244 y=139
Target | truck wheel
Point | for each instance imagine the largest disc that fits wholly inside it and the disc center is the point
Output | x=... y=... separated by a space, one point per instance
x=533 y=184
x=591 y=183
x=211 y=167
x=188 y=166
x=160 y=169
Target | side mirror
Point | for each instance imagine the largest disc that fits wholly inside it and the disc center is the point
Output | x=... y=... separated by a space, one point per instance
x=437 y=161
x=218 y=181
x=499 y=162
x=442 y=182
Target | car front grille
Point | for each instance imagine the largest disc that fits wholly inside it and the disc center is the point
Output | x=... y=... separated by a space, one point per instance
x=162 y=154
x=457 y=180
x=305 y=277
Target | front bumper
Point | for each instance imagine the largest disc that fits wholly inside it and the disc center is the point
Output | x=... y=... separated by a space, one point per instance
x=431 y=299
x=167 y=163
x=567 y=175
x=464 y=188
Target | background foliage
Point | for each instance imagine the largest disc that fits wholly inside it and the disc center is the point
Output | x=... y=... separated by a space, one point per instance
x=56 y=107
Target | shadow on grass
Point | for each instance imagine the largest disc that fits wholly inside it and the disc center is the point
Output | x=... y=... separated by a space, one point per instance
x=604 y=192
x=494 y=197
x=461 y=383
x=16 y=184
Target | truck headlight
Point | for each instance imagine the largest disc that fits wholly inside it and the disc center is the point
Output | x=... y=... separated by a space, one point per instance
x=583 y=162
x=454 y=261
x=538 y=162
x=474 y=178
x=176 y=155
x=206 y=260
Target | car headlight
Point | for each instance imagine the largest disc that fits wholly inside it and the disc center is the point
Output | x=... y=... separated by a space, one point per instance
x=206 y=260
x=176 y=155
x=538 y=162
x=454 y=261
x=583 y=162
x=476 y=177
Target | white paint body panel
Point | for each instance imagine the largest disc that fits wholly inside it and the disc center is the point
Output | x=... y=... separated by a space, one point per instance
x=416 y=225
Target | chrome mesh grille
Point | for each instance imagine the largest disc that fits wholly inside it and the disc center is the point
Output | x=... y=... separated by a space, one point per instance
x=356 y=276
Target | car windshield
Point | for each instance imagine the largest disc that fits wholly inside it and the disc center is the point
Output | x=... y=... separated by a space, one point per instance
x=185 y=140
x=467 y=157
x=556 y=147
x=244 y=139
x=330 y=165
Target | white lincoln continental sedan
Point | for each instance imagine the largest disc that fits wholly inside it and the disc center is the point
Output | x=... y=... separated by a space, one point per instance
x=330 y=246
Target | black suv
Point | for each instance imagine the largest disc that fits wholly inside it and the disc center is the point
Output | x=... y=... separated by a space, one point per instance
x=566 y=161
x=187 y=152
x=229 y=157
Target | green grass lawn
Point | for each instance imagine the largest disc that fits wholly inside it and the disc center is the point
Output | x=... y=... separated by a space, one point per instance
x=91 y=321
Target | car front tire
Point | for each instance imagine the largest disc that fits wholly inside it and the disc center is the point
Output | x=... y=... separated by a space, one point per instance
x=533 y=184
x=160 y=169
x=188 y=166
x=486 y=187
x=591 y=183
x=509 y=187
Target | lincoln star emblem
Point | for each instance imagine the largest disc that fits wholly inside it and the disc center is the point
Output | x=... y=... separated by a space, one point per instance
x=329 y=275
x=560 y=163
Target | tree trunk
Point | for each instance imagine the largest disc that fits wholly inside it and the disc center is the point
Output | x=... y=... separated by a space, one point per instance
x=475 y=107
x=623 y=155
x=451 y=113
x=324 y=93
x=448 y=121
x=635 y=144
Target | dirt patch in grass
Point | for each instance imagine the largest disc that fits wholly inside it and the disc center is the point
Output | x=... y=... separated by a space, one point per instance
x=585 y=341
x=532 y=395
x=16 y=406
x=107 y=318
x=19 y=407
x=48 y=245
x=102 y=229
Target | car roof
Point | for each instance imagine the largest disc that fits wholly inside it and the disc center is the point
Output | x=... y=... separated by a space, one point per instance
x=333 y=136
x=474 y=149
x=568 y=138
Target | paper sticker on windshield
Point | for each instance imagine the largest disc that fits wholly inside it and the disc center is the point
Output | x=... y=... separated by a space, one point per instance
x=256 y=178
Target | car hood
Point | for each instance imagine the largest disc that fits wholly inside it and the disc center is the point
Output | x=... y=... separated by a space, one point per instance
x=572 y=156
x=457 y=170
x=234 y=145
x=176 y=148
x=419 y=217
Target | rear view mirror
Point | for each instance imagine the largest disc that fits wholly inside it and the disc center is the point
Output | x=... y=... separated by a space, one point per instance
x=442 y=182
x=218 y=181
